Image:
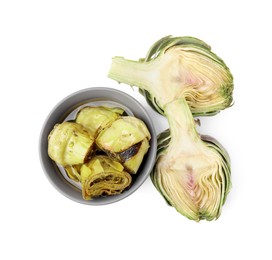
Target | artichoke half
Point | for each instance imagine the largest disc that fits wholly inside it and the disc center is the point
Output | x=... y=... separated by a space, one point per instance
x=178 y=67
x=192 y=172
x=102 y=176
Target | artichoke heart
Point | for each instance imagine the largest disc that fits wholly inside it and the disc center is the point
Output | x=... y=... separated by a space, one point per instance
x=73 y=172
x=133 y=163
x=95 y=118
x=102 y=176
x=192 y=172
x=69 y=143
x=127 y=140
x=178 y=67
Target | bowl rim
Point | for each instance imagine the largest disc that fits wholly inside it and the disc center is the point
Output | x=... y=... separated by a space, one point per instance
x=133 y=188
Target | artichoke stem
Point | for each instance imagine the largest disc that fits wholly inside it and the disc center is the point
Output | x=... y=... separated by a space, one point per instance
x=130 y=72
x=181 y=121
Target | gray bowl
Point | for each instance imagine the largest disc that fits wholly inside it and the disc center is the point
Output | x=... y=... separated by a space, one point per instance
x=64 y=110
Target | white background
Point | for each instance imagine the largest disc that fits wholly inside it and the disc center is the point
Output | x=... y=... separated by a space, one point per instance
x=50 y=49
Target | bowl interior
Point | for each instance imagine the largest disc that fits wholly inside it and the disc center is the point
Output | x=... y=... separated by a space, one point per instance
x=65 y=109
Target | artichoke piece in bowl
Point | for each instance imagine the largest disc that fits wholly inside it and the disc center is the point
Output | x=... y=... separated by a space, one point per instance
x=73 y=172
x=69 y=143
x=95 y=118
x=133 y=162
x=102 y=176
x=126 y=140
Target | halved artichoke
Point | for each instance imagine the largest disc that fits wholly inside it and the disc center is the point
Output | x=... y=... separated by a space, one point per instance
x=95 y=118
x=103 y=176
x=192 y=172
x=126 y=140
x=69 y=143
x=178 y=67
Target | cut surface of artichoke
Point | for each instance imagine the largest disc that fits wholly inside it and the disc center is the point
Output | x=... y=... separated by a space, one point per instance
x=95 y=118
x=122 y=134
x=103 y=176
x=127 y=140
x=178 y=67
x=191 y=172
x=69 y=143
x=133 y=163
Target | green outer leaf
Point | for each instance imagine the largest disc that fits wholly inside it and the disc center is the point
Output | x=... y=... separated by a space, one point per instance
x=163 y=140
x=167 y=42
x=152 y=102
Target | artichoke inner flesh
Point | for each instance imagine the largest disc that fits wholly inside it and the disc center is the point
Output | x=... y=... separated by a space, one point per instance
x=192 y=174
x=133 y=163
x=97 y=118
x=73 y=172
x=103 y=176
x=127 y=140
x=70 y=143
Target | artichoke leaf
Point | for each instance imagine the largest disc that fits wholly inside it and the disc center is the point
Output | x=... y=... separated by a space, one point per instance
x=167 y=42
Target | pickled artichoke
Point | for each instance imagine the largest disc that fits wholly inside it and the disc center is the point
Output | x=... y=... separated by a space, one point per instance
x=178 y=67
x=133 y=163
x=99 y=150
x=192 y=172
x=69 y=143
x=73 y=172
x=127 y=140
x=103 y=176
x=96 y=118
